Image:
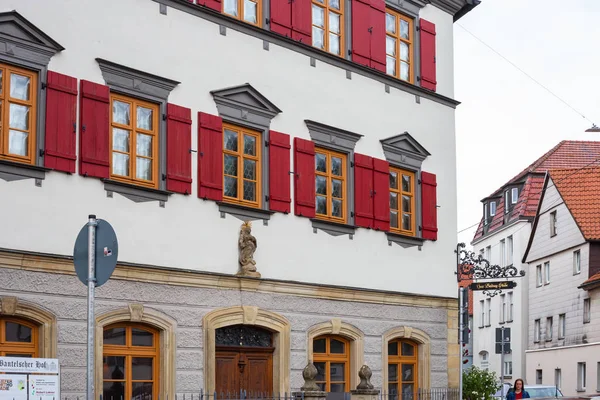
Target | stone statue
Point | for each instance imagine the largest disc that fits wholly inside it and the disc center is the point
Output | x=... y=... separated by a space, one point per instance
x=247 y=247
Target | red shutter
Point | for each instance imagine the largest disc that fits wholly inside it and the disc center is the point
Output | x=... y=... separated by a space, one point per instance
x=279 y=172
x=281 y=17
x=304 y=178
x=429 y=205
x=361 y=37
x=428 y=70
x=214 y=4
x=301 y=20
x=381 y=199
x=210 y=160
x=179 y=143
x=363 y=191
x=94 y=128
x=378 y=60
x=61 y=119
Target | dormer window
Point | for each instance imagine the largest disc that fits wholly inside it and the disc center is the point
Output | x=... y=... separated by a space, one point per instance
x=492 y=208
x=514 y=195
x=506 y=202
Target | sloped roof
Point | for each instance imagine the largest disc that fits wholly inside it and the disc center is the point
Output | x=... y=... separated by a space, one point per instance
x=566 y=154
x=580 y=190
x=592 y=282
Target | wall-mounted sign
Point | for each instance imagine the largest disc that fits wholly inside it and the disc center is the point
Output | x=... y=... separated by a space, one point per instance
x=499 y=285
x=13 y=387
x=29 y=365
x=44 y=387
x=29 y=378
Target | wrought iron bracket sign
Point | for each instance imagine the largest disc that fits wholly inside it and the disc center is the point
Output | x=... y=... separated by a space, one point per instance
x=470 y=266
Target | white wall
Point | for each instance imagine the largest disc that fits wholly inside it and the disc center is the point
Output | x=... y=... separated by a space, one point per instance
x=485 y=337
x=189 y=232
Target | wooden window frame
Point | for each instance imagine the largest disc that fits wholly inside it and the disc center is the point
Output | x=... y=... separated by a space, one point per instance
x=328 y=176
x=399 y=360
x=335 y=358
x=240 y=16
x=14 y=348
x=155 y=132
x=128 y=351
x=241 y=132
x=5 y=99
x=410 y=42
x=326 y=9
x=400 y=193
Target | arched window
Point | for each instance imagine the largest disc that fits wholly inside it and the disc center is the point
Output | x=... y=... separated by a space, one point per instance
x=484 y=360
x=130 y=362
x=402 y=369
x=18 y=338
x=332 y=358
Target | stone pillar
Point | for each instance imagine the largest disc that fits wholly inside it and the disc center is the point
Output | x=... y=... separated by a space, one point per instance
x=310 y=390
x=365 y=389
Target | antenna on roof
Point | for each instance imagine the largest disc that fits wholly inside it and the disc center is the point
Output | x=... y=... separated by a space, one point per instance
x=594 y=128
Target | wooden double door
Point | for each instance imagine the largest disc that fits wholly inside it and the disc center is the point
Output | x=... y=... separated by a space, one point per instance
x=248 y=369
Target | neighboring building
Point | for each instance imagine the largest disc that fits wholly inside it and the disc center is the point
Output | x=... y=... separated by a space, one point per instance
x=563 y=254
x=467 y=351
x=501 y=238
x=327 y=123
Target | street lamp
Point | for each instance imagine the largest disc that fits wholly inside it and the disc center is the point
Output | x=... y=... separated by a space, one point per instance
x=594 y=128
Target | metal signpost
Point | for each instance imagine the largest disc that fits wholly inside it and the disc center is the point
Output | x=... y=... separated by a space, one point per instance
x=95 y=258
x=463 y=333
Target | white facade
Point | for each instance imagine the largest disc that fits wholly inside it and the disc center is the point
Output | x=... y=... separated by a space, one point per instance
x=563 y=350
x=495 y=312
x=189 y=233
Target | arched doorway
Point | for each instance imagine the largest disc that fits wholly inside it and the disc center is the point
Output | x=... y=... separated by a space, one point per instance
x=243 y=360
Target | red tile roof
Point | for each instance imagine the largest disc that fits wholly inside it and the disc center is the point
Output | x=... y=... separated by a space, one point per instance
x=595 y=279
x=566 y=154
x=465 y=282
x=580 y=189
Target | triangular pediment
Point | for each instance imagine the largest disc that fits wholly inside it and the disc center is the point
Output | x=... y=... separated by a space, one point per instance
x=245 y=96
x=15 y=27
x=405 y=143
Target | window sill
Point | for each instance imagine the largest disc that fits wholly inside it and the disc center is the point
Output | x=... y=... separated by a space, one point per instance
x=487 y=326
x=509 y=321
x=333 y=228
x=14 y=171
x=580 y=390
x=404 y=240
x=244 y=213
x=536 y=341
x=138 y=194
x=548 y=340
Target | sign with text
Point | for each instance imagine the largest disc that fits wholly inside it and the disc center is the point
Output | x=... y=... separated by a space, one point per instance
x=498 y=285
x=29 y=365
x=29 y=378
x=43 y=387
x=13 y=387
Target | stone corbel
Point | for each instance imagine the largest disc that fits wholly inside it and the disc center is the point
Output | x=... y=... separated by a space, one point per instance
x=136 y=312
x=8 y=305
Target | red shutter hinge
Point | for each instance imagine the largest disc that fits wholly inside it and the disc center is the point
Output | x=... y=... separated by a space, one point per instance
x=42 y=152
x=193 y=151
x=266 y=143
x=164 y=117
x=164 y=177
x=266 y=198
x=44 y=85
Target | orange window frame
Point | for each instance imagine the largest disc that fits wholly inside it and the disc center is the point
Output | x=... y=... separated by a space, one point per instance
x=329 y=177
x=324 y=4
x=241 y=12
x=241 y=156
x=134 y=130
x=400 y=360
x=129 y=351
x=5 y=101
x=333 y=358
x=19 y=348
x=399 y=39
x=399 y=210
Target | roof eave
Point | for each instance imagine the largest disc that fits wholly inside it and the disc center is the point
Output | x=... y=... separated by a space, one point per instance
x=471 y=4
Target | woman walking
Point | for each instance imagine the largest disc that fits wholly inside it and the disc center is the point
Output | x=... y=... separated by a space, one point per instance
x=517 y=392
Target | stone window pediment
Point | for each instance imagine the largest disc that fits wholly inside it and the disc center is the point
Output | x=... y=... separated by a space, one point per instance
x=245 y=103
x=403 y=149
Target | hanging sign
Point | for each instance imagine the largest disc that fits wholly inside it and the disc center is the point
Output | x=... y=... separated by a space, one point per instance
x=499 y=285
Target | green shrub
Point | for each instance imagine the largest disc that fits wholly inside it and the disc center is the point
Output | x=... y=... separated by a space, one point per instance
x=479 y=384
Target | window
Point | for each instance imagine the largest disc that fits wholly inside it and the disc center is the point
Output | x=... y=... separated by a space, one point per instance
x=586 y=311
x=503 y=253
x=18 y=98
x=328 y=25
x=514 y=195
x=546 y=272
x=482 y=253
x=485 y=363
x=537 y=331
x=488 y=319
x=502 y=308
x=538 y=377
x=332 y=358
x=576 y=262
x=330 y=185
x=241 y=166
x=488 y=253
x=507 y=206
x=562 y=327
x=553 y=223
x=581 y=376
x=549 y=329
x=399 y=46
x=482 y=307
x=134 y=141
x=507 y=368
x=130 y=362
x=244 y=10
x=492 y=208
x=538 y=275
x=18 y=338
x=402 y=368
x=511 y=307
x=485 y=215
x=558 y=378
x=402 y=201
x=509 y=250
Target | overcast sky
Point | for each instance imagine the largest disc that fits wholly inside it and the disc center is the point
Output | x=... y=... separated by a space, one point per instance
x=506 y=121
